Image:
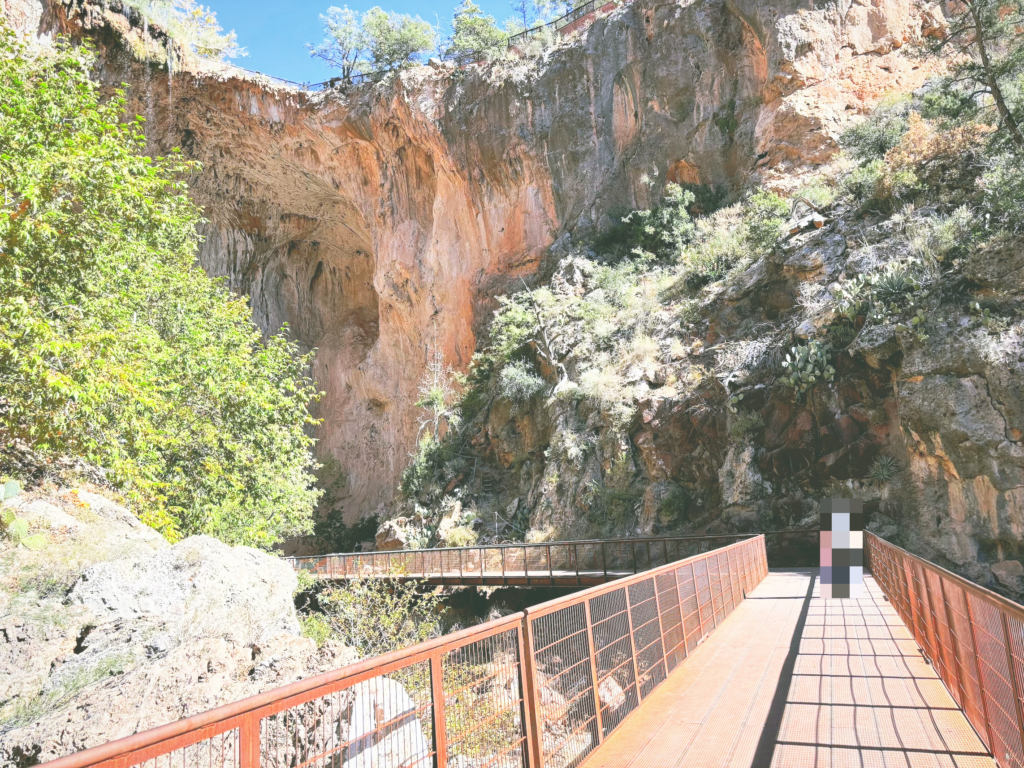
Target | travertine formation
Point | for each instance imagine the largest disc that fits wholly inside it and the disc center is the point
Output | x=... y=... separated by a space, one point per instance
x=107 y=630
x=378 y=221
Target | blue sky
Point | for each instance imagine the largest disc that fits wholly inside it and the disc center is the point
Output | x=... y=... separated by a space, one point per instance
x=275 y=33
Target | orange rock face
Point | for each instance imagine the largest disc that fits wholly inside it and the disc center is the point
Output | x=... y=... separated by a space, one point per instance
x=378 y=222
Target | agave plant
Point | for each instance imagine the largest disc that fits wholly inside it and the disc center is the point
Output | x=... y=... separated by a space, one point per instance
x=883 y=469
x=894 y=283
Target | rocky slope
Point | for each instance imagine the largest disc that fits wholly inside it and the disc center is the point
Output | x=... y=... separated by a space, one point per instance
x=378 y=221
x=106 y=630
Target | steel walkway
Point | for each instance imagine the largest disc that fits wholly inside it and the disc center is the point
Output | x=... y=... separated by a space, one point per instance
x=710 y=661
x=793 y=681
x=554 y=564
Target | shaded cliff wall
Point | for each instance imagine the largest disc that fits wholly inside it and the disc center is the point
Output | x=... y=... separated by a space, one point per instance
x=378 y=221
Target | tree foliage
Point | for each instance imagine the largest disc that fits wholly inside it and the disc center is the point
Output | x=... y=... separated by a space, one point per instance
x=193 y=26
x=114 y=345
x=985 y=42
x=473 y=31
x=376 y=41
x=377 y=616
x=345 y=45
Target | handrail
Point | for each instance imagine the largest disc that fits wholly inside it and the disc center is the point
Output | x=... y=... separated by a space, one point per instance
x=972 y=636
x=507 y=690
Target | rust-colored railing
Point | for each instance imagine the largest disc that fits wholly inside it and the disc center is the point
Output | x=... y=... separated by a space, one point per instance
x=973 y=637
x=540 y=689
x=567 y=563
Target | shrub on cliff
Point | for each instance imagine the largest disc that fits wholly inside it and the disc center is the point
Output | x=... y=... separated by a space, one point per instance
x=114 y=345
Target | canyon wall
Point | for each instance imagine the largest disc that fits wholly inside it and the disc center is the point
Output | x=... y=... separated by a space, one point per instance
x=378 y=221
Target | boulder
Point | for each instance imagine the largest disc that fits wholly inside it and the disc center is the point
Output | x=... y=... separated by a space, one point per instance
x=201 y=584
x=1010 y=574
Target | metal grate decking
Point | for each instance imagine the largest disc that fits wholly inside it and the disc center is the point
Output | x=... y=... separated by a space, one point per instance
x=793 y=681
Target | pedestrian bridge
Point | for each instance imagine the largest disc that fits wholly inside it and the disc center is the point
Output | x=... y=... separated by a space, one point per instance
x=710 y=660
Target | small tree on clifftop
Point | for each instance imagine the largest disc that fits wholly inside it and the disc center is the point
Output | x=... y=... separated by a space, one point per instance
x=472 y=31
x=986 y=40
x=377 y=41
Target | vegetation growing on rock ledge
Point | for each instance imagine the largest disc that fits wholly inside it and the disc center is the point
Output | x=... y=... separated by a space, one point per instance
x=115 y=347
x=722 y=371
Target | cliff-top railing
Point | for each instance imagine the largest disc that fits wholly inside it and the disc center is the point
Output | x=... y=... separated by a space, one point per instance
x=461 y=59
x=542 y=688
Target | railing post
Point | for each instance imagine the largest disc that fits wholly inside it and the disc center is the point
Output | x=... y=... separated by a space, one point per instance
x=632 y=552
x=249 y=741
x=604 y=560
x=503 y=579
x=647 y=546
x=632 y=646
x=532 y=721
x=664 y=548
x=551 y=572
x=437 y=699
x=598 y=720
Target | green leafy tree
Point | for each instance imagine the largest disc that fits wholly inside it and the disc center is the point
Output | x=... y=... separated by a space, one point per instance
x=985 y=42
x=376 y=616
x=376 y=41
x=473 y=31
x=345 y=46
x=114 y=345
x=396 y=39
x=193 y=26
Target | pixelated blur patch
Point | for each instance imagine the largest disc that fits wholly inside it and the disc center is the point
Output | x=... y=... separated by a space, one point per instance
x=841 y=548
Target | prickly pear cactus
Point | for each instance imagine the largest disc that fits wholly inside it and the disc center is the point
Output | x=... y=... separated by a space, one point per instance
x=10 y=490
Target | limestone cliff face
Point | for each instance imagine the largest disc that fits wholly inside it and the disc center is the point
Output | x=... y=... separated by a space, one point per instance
x=378 y=221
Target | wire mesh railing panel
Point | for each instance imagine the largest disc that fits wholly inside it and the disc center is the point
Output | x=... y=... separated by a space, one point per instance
x=565 y=703
x=970 y=681
x=925 y=617
x=704 y=607
x=715 y=579
x=537 y=561
x=484 y=703
x=472 y=562
x=946 y=658
x=672 y=638
x=997 y=685
x=647 y=645
x=385 y=718
x=688 y=601
x=218 y=751
x=588 y=559
x=974 y=638
x=492 y=561
x=1015 y=638
x=515 y=560
x=613 y=657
